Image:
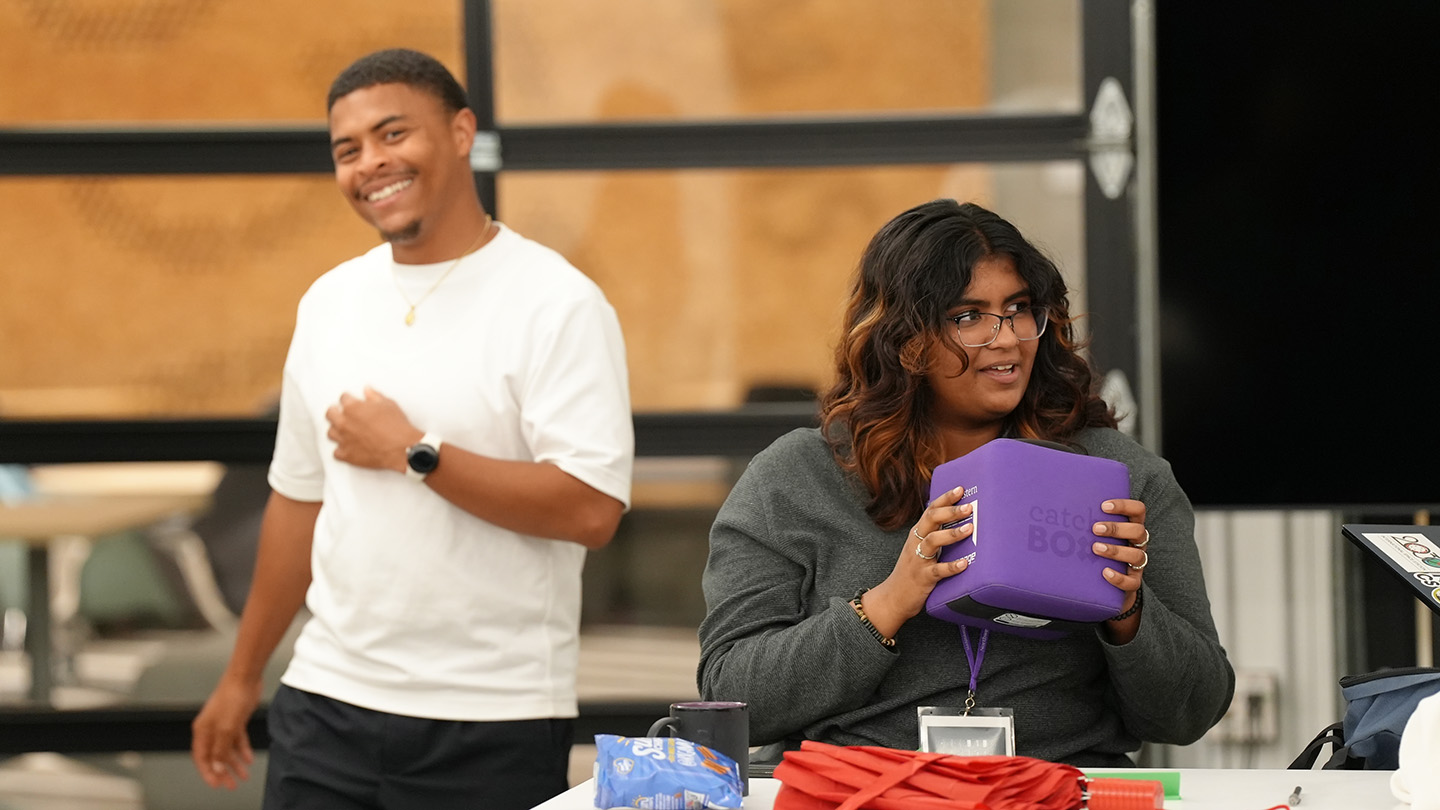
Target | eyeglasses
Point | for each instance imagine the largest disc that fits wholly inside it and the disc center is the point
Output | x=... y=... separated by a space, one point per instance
x=977 y=329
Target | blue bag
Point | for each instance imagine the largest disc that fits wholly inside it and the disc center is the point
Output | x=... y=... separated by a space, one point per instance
x=1377 y=705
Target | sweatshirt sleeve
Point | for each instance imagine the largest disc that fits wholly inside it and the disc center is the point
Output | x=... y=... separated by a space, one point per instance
x=795 y=660
x=1172 y=681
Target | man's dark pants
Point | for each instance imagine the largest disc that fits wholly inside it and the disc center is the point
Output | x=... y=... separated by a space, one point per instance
x=329 y=755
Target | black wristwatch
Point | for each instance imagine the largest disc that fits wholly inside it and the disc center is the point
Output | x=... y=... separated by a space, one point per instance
x=422 y=457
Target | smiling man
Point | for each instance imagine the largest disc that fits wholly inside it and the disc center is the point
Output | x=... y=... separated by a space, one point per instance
x=454 y=434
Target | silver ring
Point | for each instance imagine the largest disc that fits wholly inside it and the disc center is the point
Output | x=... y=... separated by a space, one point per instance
x=1144 y=561
x=921 y=543
x=1142 y=543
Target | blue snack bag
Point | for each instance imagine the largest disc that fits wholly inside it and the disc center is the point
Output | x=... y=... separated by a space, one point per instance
x=663 y=773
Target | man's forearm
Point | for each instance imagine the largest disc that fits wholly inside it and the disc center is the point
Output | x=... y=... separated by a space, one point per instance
x=282 y=576
x=532 y=498
x=537 y=499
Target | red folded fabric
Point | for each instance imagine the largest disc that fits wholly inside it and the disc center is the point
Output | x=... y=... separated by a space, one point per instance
x=831 y=777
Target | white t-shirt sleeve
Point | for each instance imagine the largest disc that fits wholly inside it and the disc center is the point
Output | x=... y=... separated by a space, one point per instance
x=575 y=411
x=296 y=470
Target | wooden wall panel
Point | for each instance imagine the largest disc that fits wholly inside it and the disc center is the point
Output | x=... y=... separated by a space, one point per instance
x=724 y=280
x=158 y=296
x=727 y=280
x=582 y=60
x=210 y=60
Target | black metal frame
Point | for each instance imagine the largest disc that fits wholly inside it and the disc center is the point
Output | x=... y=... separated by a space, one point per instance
x=697 y=145
x=166 y=727
x=1111 y=258
x=36 y=151
x=740 y=432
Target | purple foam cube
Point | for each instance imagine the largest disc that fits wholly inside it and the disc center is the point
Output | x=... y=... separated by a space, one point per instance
x=1032 y=570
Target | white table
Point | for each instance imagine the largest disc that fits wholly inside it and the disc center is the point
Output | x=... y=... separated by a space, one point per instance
x=1199 y=790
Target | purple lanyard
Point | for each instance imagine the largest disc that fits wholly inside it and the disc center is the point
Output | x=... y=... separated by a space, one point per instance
x=974 y=659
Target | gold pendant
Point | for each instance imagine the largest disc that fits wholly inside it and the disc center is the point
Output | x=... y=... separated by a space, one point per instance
x=410 y=317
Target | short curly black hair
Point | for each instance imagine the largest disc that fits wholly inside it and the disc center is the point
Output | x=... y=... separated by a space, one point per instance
x=399 y=66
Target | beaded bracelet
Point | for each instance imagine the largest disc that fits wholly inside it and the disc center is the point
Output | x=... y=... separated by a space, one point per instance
x=1135 y=608
x=865 y=620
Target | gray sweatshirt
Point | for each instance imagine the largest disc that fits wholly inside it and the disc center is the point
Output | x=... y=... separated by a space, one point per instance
x=791 y=546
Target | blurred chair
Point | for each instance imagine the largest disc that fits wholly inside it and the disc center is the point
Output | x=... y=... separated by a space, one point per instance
x=13 y=590
x=135 y=581
x=230 y=530
x=14 y=485
x=172 y=577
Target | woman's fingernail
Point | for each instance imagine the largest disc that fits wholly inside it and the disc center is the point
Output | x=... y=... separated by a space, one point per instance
x=1108 y=506
x=1102 y=528
x=1111 y=574
x=960 y=490
x=961 y=564
x=1101 y=548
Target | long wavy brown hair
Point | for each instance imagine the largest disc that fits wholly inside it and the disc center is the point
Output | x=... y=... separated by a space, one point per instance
x=878 y=416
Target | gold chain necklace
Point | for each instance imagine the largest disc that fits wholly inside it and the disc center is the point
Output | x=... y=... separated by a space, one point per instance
x=410 y=315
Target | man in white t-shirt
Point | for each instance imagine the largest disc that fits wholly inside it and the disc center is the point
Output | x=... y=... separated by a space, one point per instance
x=454 y=434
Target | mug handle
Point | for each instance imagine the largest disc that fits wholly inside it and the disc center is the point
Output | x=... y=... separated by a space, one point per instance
x=659 y=724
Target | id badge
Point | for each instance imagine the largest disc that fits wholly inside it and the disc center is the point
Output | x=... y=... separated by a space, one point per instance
x=983 y=732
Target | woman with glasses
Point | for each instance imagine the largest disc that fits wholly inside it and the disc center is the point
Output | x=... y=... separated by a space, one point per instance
x=957 y=332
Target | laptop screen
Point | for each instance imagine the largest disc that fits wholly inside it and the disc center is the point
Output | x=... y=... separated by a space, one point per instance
x=1410 y=552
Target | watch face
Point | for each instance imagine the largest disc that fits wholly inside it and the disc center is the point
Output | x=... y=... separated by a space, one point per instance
x=423 y=458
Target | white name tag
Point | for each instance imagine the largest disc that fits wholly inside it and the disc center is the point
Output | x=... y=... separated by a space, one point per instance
x=1020 y=620
x=983 y=732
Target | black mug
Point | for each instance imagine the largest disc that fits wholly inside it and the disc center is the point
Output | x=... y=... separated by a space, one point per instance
x=720 y=725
